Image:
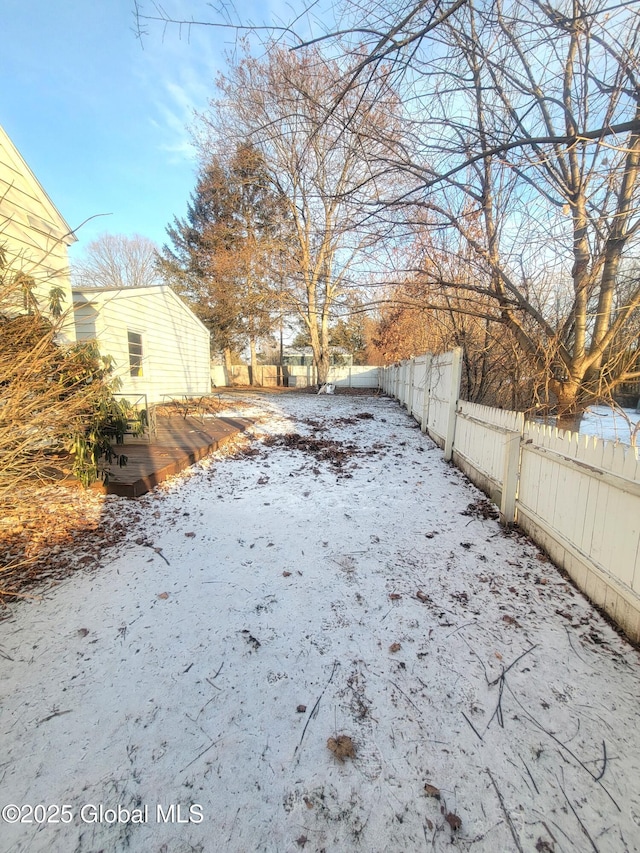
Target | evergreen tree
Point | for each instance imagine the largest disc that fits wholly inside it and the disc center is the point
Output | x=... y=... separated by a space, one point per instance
x=220 y=253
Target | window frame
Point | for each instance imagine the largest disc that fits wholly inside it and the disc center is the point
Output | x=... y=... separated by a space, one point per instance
x=135 y=349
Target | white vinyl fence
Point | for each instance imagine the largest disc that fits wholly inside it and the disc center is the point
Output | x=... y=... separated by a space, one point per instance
x=297 y=376
x=578 y=497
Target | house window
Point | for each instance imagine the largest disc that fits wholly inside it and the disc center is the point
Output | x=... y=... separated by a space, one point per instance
x=135 y=353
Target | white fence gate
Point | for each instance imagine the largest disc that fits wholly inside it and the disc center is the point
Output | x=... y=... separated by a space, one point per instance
x=578 y=497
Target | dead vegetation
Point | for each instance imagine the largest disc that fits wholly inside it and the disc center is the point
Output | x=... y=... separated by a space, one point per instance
x=342 y=747
x=336 y=453
x=197 y=406
x=58 y=530
x=482 y=508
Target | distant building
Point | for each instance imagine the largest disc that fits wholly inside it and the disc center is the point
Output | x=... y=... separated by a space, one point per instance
x=33 y=237
x=158 y=345
x=303 y=357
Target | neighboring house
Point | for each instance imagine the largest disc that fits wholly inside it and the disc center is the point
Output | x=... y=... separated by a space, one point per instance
x=158 y=345
x=33 y=236
x=303 y=356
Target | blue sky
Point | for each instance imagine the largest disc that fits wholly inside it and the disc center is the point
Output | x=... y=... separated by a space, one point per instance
x=100 y=119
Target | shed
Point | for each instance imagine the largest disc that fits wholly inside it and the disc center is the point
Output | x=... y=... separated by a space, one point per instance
x=158 y=345
x=33 y=234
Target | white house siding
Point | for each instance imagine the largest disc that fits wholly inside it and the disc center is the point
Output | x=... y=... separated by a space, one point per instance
x=33 y=234
x=175 y=344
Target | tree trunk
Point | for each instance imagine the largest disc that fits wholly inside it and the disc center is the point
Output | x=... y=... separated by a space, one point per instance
x=322 y=363
x=320 y=346
x=253 y=372
x=570 y=411
x=228 y=368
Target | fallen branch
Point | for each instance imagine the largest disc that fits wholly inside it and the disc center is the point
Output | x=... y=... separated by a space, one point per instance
x=160 y=554
x=501 y=681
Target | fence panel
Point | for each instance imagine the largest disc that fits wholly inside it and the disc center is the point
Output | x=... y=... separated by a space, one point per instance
x=579 y=497
x=420 y=370
x=440 y=376
x=576 y=496
x=269 y=375
x=355 y=376
x=481 y=443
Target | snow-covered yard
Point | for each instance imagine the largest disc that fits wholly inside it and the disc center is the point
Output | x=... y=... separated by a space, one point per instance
x=609 y=424
x=318 y=640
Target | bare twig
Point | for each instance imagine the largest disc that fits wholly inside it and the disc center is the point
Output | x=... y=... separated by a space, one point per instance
x=498 y=711
x=200 y=754
x=459 y=628
x=604 y=762
x=529 y=773
x=409 y=700
x=314 y=710
x=551 y=835
x=471 y=724
x=505 y=812
x=566 y=749
x=582 y=826
x=157 y=550
x=51 y=716
x=511 y=665
x=5 y=655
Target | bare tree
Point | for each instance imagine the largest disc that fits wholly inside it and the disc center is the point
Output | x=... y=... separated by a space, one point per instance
x=530 y=155
x=116 y=260
x=522 y=141
x=326 y=156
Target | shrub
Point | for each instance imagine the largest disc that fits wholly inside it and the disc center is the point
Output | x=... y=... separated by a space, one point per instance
x=53 y=397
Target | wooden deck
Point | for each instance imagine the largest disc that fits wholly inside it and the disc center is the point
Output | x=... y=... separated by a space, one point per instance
x=179 y=442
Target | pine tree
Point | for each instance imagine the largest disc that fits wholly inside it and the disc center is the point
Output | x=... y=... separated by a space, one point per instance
x=221 y=250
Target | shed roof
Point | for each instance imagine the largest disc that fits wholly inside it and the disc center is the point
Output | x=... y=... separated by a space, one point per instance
x=94 y=294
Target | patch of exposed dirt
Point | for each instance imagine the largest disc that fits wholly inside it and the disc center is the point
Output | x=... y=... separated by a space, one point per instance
x=336 y=453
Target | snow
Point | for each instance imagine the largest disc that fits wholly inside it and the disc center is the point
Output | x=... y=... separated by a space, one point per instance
x=273 y=598
x=609 y=424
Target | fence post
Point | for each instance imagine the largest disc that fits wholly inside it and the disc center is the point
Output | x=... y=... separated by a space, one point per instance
x=412 y=373
x=454 y=393
x=427 y=395
x=510 y=478
x=407 y=380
